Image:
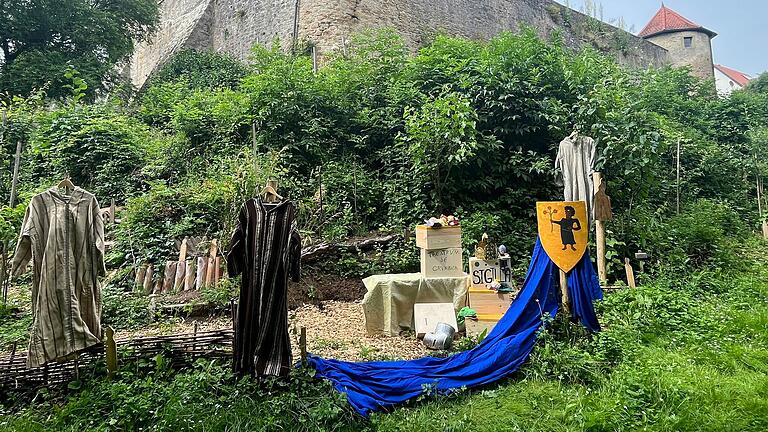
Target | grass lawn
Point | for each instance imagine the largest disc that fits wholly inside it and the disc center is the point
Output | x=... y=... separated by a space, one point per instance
x=679 y=353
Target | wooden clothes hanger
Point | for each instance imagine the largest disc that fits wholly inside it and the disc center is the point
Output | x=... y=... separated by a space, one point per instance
x=66 y=184
x=269 y=192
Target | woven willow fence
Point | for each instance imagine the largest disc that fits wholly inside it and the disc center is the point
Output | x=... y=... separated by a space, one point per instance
x=176 y=349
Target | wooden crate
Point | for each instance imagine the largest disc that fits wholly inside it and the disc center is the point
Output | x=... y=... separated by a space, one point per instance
x=438 y=238
x=483 y=322
x=485 y=301
x=437 y=263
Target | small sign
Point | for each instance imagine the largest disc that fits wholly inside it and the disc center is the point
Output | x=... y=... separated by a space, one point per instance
x=483 y=273
x=563 y=230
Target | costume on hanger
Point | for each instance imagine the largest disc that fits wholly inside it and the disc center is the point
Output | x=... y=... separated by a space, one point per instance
x=63 y=236
x=265 y=248
x=576 y=160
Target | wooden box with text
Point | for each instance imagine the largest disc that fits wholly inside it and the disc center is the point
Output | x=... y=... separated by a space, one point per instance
x=436 y=263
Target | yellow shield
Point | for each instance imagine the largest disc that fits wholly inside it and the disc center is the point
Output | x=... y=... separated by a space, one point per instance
x=563 y=229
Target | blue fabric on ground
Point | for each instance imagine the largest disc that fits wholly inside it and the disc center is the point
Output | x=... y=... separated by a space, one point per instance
x=583 y=290
x=372 y=386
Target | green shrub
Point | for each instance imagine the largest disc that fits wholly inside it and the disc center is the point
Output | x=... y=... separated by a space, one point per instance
x=100 y=149
x=201 y=70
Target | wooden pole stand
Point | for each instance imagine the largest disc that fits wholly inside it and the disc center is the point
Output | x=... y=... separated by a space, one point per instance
x=602 y=211
x=564 y=292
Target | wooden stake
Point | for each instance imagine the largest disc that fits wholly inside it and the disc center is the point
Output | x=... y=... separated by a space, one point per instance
x=158 y=285
x=314 y=59
x=141 y=273
x=202 y=266
x=253 y=145
x=15 y=181
x=217 y=270
x=170 y=276
x=303 y=345
x=759 y=190
x=678 y=177
x=630 y=273
x=181 y=273
x=189 y=277
x=112 y=211
x=111 y=352
x=564 y=292
x=183 y=250
x=4 y=276
x=148 y=279
x=210 y=268
x=322 y=216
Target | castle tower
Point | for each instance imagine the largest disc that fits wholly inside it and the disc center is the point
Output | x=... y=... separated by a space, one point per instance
x=688 y=43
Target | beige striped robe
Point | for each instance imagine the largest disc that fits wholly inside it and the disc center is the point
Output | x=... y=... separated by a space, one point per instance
x=63 y=236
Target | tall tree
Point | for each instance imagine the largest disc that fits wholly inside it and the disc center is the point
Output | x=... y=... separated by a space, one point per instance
x=759 y=84
x=42 y=39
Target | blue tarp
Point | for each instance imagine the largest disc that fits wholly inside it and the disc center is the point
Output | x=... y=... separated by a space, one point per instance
x=371 y=386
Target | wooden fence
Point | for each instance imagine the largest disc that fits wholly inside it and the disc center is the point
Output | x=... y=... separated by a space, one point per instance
x=177 y=349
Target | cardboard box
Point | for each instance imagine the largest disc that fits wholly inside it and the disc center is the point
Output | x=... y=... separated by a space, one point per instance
x=485 y=301
x=426 y=316
x=438 y=238
x=483 y=322
x=436 y=263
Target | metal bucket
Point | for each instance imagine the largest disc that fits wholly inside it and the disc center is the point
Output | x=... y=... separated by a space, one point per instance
x=441 y=338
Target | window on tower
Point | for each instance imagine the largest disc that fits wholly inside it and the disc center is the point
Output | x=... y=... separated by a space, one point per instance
x=688 y=42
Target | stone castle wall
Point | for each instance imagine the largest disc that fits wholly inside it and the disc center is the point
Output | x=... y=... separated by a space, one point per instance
x=235 y=26
x=698 y=56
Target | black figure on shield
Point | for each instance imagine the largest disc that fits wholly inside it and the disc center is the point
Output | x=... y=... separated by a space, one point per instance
x=568 y=225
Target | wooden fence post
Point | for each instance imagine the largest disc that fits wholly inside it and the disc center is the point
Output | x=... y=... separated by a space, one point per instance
x=303 y=345
x=111 y=352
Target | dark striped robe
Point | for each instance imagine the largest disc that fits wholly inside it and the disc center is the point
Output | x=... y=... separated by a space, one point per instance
x=265 y=249
x=63 y=236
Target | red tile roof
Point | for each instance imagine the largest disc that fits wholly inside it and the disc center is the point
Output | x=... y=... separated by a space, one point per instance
x=739 y=78
x=666 y=20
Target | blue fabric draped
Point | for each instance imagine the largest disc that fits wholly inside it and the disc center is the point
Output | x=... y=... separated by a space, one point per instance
x=371 y=386
x=583 y=290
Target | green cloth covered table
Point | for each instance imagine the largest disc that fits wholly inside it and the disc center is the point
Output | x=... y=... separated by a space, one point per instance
x=388 y=304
